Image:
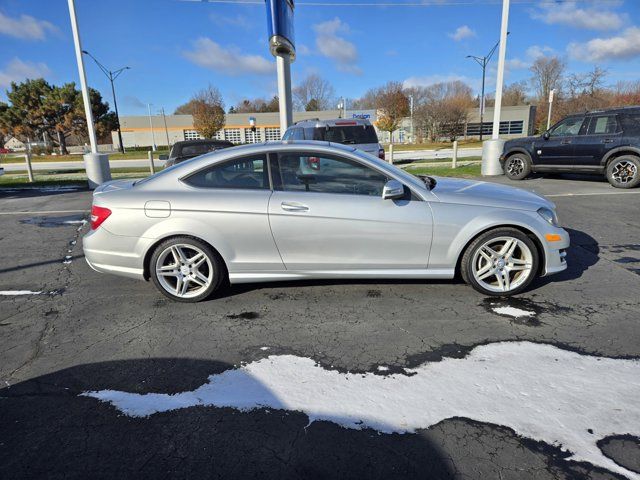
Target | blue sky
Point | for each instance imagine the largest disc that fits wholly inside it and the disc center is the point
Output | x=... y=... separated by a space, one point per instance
x=176 y=47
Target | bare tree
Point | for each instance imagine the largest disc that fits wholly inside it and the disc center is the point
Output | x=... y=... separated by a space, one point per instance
x=208 y=111
x=443 y=109
x=314 y=93
x=392 y=105
x=256 y=105
x=548 y=74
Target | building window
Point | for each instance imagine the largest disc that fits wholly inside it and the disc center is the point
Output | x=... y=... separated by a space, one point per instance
x=191 y=135
x=272 y=133
x=251 y=136
x=514 y=127
x=232 y=135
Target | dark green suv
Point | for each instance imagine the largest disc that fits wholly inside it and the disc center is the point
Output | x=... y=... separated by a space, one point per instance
x=605 y=142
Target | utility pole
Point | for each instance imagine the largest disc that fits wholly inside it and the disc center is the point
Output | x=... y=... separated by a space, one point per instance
x=551 y=92
x=96 y=164
x=166 y=130
x=492 y=149
x=483 y=62
x=112 y=76
x=153 y=135
x=413 y=138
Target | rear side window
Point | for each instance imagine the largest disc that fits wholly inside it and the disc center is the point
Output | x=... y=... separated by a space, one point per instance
x=602 y=125
x=199 y=149
x=294 y=134
x=244 y=173
x=631 y=124
x=348 y=135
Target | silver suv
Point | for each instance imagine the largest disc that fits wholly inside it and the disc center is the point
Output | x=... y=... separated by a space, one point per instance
x=355 y=132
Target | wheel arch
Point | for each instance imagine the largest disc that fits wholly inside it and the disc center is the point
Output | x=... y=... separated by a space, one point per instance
x=529 y=233
x=619 y=152
x=515 y=150
x=146 y=272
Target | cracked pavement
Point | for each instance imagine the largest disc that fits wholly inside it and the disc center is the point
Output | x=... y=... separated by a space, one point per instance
x=90 y=331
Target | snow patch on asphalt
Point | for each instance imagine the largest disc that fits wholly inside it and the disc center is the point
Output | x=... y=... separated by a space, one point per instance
x=513 y=312
x=540 y=391
x=18 y=292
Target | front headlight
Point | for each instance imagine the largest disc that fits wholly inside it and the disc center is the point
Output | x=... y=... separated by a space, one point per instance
x=550 y=216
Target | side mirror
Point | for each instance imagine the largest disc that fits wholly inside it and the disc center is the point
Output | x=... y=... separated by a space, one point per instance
x=392 y=189
x=546 y=135
x=163 y=157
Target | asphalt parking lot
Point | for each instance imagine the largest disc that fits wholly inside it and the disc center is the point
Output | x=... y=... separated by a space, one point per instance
x=66 y=330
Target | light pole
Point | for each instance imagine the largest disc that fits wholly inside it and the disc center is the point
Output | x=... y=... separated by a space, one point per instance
x=153 y=135
x=112 y=76
x=551 y=92
x=96 y=164
x=411 y=111
x=166 y=130
x=483 y=62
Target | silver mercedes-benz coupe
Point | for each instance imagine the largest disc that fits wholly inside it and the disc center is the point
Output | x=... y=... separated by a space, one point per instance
x=309 y=210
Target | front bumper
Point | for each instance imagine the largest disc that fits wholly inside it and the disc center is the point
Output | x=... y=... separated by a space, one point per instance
x=555 y=253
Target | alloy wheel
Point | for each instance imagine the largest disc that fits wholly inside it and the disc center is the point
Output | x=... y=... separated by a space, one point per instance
x=624 y=172
x=502 y=264
x=184 y=270
x=515 y=166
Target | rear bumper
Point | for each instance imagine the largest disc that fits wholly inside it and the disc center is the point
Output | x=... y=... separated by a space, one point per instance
x=116 y=254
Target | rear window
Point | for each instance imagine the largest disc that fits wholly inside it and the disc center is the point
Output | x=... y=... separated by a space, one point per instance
x=348 y=135
x=196 y=149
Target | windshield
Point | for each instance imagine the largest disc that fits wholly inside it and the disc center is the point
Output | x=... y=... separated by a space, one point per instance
x=348 y=135
x=195 y=149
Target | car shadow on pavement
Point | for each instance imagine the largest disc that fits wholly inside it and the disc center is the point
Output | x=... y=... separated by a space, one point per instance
x=50 y=431
x=582 y=254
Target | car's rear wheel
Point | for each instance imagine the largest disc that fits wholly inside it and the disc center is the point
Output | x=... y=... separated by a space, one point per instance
x=186 y=269
x=500 y=262
x=624 y=171
x=517 y=166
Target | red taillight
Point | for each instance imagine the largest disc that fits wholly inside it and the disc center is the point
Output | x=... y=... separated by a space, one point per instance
x=98 y=215
x=381 y=154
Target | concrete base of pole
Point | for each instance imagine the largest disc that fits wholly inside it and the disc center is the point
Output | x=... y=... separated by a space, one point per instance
x=97 y=168
x=491 y=151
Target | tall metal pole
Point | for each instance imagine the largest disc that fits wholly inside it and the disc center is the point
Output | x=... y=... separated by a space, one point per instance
x=484 y=72
x=551 y=92
x=283 y=67
x=115 y=107
x=411 y=112
x=96 y=164
x=83 y=78
x=166 y=130
x=153 y=135
x=502 y=52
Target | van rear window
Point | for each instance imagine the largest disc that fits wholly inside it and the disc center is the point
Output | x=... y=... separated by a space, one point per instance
x=348 y=135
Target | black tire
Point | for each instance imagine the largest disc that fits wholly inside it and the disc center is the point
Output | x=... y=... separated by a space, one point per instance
x=466 y=264
x=517 y=166
x=214 y=269
x=624 y=171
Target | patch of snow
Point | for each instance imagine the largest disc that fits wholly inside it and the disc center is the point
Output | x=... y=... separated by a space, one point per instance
x=264 y=348
x=513 y=312
x=540 y=391
x=382 y=368
x=67 y=260
x=18 y=292
x=74 y=222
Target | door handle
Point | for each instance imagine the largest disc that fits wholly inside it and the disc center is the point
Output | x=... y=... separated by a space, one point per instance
x=565 y=142
x=607 y=140
x=294 y=207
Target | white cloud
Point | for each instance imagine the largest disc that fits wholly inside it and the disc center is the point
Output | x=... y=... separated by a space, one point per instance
x=532 y=53
x=626 y=45
x=17 y=70
x=302 y=49
x=571 y=14
x=462 y=32
x=25 y=27
x=228 y=60
x=427 y=80
x=331 y=45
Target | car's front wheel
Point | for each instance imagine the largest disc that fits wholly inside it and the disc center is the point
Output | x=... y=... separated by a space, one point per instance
x=517 y=166
x=624 y=171
x=186 y=269
x=500 y=262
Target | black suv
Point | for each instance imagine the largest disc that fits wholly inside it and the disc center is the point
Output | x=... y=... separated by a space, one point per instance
x=184 y=150
x=602 y=142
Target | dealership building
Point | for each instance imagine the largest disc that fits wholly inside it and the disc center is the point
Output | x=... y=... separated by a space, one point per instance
x=142 y=131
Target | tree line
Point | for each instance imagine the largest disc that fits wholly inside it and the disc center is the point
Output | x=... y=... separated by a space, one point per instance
x=39 y=111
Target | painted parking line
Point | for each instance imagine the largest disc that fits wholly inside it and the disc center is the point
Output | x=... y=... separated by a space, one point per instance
x=43 y=212
x=588 y=194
